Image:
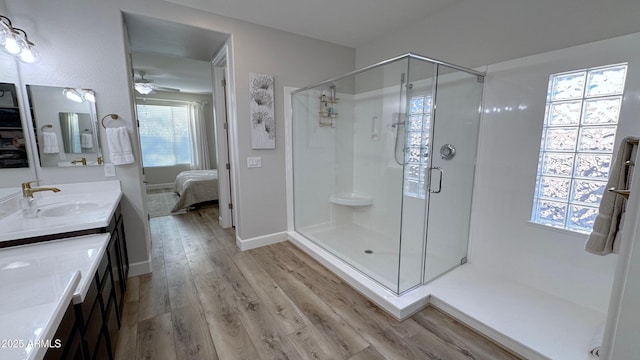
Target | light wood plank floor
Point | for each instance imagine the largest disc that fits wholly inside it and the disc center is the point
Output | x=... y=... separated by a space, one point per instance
x=206 y=299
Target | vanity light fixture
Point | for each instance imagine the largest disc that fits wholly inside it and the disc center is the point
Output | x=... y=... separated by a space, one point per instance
x=14 y=41
x=88 y=95
x=79 y=95
x=73 y=95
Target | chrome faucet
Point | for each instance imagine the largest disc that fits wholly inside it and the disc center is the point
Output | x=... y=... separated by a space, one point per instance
x=81 y=160
x=27 y=190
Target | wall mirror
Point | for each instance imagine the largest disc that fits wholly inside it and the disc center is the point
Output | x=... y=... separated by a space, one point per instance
x=14 y=128
x=65 y=126
x=13 y=151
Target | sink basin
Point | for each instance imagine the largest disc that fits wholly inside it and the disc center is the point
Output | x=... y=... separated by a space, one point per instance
x=69 y=209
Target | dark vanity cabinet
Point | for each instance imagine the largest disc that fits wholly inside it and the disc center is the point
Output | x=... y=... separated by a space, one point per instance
x=97 y=318
x=67 y=342
x=100 y=314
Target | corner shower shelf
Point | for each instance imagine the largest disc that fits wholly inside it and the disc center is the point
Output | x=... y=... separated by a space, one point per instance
x=351 y=199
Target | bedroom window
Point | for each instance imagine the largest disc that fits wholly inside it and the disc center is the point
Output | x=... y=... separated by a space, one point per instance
x=578 y=135
x=164 y=135
x=417 y=148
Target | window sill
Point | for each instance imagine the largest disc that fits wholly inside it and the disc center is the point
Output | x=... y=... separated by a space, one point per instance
x=559 y=230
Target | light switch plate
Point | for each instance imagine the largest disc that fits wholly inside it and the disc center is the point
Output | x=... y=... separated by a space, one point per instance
x=254 y=162
x=109 y=170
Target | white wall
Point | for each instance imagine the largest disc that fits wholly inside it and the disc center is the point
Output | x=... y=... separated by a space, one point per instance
x=82 y=45
x=502 y=239
x=481 y=32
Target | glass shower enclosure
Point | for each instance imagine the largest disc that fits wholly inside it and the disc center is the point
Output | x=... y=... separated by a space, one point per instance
x=383 y=163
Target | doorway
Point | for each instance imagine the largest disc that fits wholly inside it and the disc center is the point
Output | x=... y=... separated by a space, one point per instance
x=175 y=105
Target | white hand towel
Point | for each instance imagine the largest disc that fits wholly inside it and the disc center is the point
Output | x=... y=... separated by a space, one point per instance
x=119 y=146
x=50 y=141
x=86 y=140
x=596 y=343
x=607 y=223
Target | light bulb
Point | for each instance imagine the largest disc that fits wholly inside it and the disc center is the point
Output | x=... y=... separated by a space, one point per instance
x=4 y=31
x=73 y=95
x=12 y=45
x=88 y=95
x=29 y=54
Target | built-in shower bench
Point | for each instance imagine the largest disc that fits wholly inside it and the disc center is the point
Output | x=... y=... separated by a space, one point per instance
x=533 y=323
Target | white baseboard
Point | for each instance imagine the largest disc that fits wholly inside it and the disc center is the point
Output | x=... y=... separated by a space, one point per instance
x=159 y=186
x=140 y=268
x=256 y=242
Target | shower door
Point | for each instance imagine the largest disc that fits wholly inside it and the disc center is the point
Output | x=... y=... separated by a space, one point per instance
x=454 y=137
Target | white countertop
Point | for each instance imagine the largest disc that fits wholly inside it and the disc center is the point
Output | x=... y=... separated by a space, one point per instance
x=31 y=310
x=104 y=195
x=38 y=281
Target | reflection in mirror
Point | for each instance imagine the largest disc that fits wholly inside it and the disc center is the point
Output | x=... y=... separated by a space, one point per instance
x=77 y=136
x=65 y=125
x=13 y=152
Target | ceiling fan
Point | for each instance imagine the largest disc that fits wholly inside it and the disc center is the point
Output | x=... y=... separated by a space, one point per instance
x=145 y=86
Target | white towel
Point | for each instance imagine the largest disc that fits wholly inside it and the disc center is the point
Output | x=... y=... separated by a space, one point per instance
x=119 y=146
x=50 y=143
x=86 y=140
x=596 y=343
x=602 y=240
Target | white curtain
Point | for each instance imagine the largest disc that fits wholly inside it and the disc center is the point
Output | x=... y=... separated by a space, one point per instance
x=198 y=133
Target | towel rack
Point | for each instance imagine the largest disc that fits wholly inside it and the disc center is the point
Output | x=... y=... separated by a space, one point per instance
x=633 y=142
x=112 y=116
x=624 y=193
x=46 y=126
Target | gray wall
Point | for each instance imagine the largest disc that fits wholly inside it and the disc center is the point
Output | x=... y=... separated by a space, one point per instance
x=82 y=45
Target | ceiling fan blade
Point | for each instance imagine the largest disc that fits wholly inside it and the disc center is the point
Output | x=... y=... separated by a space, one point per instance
x=164 y=88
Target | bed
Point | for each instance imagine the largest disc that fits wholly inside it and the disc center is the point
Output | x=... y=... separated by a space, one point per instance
x=194 y=187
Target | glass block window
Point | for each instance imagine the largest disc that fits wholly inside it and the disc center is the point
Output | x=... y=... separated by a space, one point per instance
x=576 y=150
x=417 y=146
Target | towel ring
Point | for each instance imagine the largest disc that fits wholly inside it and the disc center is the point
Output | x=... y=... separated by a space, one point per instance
x=46 y=126
x=113 y=116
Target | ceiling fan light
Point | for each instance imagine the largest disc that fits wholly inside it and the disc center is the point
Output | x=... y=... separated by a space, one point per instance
x=144 y=88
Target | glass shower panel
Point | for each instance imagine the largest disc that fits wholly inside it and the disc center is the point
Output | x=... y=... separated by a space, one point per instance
x=314 y=159
x=455 y=137
x=347 y=185
x=417 y=124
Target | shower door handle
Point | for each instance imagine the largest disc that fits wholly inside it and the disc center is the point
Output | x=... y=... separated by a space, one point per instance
x=439 y=181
